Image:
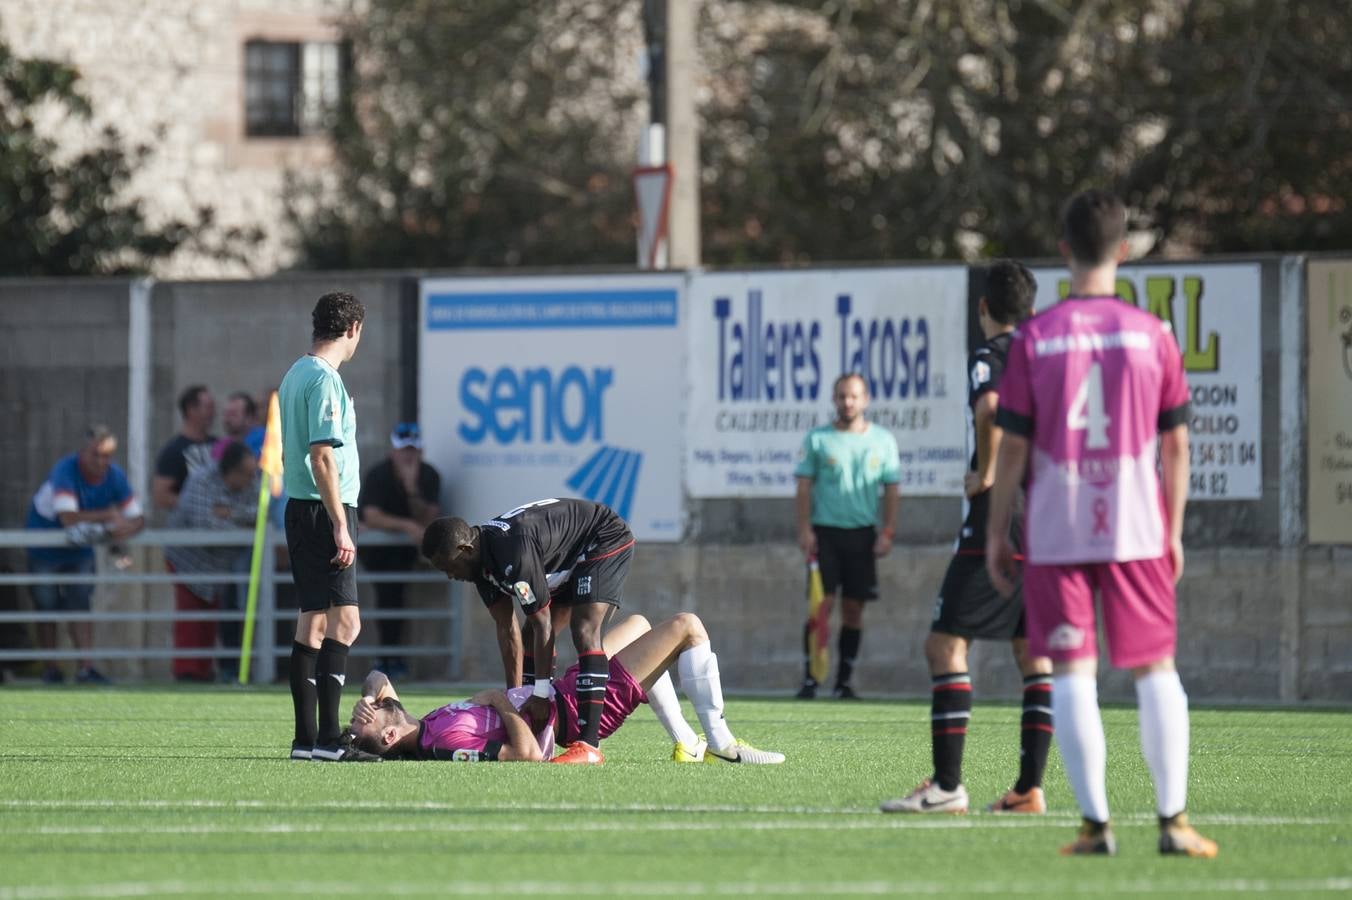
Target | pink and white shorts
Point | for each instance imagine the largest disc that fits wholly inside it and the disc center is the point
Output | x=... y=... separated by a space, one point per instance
x=1139 y=610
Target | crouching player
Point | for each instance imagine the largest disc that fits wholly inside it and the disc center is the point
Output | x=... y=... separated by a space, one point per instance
x=490 y=727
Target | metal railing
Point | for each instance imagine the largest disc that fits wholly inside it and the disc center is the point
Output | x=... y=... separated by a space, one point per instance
x=265 y=650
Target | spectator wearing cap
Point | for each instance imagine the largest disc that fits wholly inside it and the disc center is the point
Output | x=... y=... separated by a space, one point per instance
x=220 y=497
x=88 y=495
x=399 y=494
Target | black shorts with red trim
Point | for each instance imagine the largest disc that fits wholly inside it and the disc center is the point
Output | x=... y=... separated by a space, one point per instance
x=970 y=607
x=599 y=578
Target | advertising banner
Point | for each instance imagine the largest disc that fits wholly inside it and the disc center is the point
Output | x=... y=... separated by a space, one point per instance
x=532 y=388
x=1330 y=401
x=765 y=348
x=1215 y=312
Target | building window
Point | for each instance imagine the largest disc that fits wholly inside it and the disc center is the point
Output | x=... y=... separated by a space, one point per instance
x=291 y=89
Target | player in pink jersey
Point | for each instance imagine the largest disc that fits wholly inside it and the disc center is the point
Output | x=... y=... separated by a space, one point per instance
x=489 y=726
x=1093 y=394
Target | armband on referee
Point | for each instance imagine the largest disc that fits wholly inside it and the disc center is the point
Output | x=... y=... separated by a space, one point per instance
x=541 y=688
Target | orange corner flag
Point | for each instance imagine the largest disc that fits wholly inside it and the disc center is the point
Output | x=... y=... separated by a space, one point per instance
x=271 y=459
x=819 y=624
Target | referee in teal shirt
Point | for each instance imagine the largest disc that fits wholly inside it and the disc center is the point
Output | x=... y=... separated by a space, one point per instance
x=840 y=470
x=322 y=478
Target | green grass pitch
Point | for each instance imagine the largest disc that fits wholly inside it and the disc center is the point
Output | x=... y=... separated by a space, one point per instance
x=162 y=793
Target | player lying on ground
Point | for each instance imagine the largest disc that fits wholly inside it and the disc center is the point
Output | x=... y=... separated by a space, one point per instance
x=490 y=727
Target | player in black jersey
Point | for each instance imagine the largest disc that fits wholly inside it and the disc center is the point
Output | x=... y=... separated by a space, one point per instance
x=565 y=562
x=969 y=607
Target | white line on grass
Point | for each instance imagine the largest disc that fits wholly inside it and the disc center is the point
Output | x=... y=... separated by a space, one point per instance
x=881 y=823
x=668 y=808
x=691 y=889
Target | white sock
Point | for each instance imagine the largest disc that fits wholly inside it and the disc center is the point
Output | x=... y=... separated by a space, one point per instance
x=1079 y=737
x=667 y=707
x=1163 y=709
x=699 y=679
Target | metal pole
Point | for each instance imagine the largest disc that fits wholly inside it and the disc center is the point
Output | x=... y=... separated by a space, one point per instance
x=138 y=386
x=682 y=134
x=453 y=634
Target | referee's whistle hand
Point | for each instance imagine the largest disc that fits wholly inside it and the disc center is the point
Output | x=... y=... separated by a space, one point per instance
x=347 y=551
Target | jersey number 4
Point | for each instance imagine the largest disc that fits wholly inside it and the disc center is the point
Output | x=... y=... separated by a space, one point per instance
x=1087 y=411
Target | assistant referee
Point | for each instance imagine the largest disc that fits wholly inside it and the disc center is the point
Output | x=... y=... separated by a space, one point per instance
x=322 y=477
x=841 y=469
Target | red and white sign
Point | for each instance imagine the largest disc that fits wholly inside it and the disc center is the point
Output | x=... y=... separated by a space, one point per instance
x=652 y=190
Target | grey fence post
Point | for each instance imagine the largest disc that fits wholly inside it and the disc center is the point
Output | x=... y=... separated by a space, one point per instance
x=453 y=635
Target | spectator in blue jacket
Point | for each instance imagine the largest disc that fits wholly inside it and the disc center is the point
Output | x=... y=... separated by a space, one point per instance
x=88 y=495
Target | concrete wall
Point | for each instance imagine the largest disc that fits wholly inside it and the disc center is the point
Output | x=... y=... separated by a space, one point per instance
x=1262 y=616
x=1244 y=615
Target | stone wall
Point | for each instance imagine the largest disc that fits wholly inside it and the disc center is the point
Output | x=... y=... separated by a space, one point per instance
x=170 y=75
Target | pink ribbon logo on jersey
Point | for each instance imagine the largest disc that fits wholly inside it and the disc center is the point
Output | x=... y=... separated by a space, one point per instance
x=1100 y=517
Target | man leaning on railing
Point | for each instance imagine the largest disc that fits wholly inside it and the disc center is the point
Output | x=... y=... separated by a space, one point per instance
x=87 y=494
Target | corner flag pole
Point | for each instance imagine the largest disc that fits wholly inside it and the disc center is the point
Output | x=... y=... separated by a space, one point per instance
x=271 y=486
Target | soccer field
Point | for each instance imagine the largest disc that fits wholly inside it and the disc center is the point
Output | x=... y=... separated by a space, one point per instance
x=149 y=793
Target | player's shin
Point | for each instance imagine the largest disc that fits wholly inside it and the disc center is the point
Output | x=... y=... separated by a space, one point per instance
x=592 y=679
x=1079 y=737
x=667 y=707
x=1035 y=732
x=701 y=682
x=1163 y=710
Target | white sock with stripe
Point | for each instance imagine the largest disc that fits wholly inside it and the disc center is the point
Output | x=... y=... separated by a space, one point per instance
x=1079 y=737
x=667 y=707
x=700 y=681
x=1163 y=710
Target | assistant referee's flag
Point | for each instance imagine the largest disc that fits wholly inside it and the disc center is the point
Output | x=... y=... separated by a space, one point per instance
x=818 y=624
x=270 y=462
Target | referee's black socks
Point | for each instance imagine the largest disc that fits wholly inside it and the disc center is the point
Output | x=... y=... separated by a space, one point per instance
x=303 y=696
x=330 y=673
x=848 y=647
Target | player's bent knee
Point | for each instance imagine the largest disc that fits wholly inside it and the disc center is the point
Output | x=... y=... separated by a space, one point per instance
x=691 y=627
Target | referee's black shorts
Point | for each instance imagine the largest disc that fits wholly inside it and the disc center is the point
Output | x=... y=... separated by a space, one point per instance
x=309 y=539
x=846 y=561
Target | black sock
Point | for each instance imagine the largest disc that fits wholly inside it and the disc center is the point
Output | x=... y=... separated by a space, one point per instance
x=330 y=673
x=848 y=646
x=1035 y=738
x=592 y=677
x=528 y=667
x=807 y=654
x=303 y=696
x=950 y=708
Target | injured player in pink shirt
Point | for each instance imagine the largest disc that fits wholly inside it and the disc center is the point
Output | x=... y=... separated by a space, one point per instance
x=490 y=727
